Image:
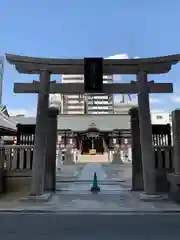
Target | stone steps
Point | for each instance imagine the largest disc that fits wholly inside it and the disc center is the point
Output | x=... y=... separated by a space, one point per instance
x=98 y=158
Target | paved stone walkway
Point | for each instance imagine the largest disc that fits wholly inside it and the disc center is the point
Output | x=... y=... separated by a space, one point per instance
x=89 y=170
x=85 y=179
x=84 y=188
x=118 y=172
x=117 y=203
x=76 y=196
x=69 y=172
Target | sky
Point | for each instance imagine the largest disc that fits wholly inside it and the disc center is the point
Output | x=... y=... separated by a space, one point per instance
x=96 y=28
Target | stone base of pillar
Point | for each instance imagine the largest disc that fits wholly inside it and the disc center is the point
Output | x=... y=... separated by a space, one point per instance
x=137 y=181
x=42 y=198
x=174 y=180
x=155 y=197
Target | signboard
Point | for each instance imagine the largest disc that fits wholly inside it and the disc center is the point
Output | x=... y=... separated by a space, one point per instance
x=93 y=75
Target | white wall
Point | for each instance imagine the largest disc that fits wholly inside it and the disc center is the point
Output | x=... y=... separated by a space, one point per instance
x=160 y=118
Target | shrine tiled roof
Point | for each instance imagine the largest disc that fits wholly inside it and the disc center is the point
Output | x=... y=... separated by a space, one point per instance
x=83 y=122
x=7 y=123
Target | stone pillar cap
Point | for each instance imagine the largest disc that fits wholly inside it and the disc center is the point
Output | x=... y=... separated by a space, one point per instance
x=53 y=111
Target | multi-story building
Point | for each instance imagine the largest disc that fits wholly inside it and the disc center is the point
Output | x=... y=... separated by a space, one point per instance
x=161 y=118
x=85 y=103
x=101 y=103
x=73 y=104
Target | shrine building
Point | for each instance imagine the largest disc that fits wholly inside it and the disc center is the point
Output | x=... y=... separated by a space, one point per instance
x=87 y=133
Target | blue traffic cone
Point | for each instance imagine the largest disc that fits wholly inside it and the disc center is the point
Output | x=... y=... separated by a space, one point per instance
x=95 y=188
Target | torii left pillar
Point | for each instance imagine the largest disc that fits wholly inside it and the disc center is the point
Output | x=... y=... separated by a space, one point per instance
x=38 y=169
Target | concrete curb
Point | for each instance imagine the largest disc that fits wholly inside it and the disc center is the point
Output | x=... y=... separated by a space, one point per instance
x=66 y=192
x=112 y=212
x=43 y=198
x=89 y=181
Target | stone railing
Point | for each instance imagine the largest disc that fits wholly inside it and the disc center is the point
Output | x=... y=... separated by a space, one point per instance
x=163 y=157
x=66 y=158
x=17 y=157
x=20 y=157
x=125 y=156
x=163 y=166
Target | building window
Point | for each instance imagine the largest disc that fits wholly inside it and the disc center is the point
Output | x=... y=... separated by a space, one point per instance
x=159 y=117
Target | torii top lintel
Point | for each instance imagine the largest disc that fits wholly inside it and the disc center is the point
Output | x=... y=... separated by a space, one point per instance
x=33 y=65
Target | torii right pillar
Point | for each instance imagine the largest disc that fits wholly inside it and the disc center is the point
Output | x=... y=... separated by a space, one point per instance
x=146 y=136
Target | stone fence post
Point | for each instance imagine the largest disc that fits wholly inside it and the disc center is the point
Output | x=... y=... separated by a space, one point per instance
x=137 y=173
x=2 y=161
x=117 y=155
x=174 y=178
x=51 y=143
x=69 y=156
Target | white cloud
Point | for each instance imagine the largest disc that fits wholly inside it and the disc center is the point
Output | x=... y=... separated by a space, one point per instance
x=118 y=56
x=175 y=99
x=25 y=112
x=116 y=77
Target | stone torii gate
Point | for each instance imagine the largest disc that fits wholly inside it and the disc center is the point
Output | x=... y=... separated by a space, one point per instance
x=140 y=67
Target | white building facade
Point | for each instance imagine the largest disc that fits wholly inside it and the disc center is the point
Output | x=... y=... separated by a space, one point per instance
x=83 y=103
x=102 y=103
x=72 y=104
x=161 y=118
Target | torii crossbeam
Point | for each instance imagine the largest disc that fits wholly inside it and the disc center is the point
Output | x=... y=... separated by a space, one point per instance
x=78 y=88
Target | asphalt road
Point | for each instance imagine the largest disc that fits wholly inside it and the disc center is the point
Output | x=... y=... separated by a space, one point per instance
x=89 y=227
